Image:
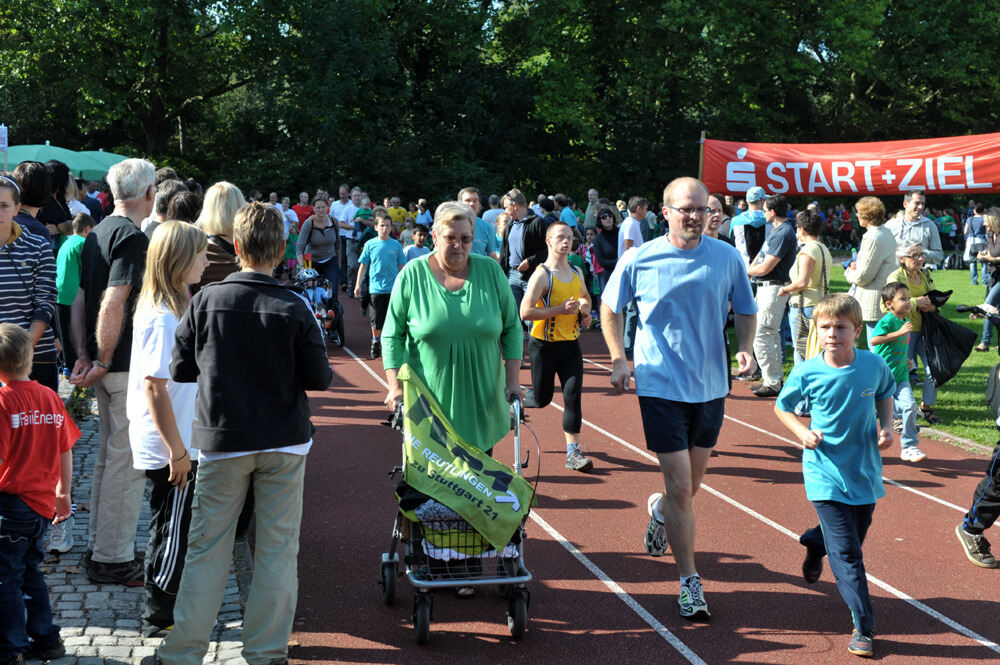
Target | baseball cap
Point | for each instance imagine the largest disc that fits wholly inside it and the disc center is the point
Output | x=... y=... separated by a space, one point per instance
x=755 y=194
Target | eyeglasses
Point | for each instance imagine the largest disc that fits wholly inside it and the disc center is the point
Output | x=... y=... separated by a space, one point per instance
x=915 y=256
x=691 y=212
x=606 y=216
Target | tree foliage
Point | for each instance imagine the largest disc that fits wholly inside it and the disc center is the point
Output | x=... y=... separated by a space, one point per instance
x=422 y=97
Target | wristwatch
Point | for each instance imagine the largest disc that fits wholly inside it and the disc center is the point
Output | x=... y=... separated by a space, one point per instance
x=102 y=365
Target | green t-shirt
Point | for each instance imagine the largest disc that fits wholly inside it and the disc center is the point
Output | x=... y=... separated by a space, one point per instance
x=452 y=340
x=68 y=269
x=894 y=352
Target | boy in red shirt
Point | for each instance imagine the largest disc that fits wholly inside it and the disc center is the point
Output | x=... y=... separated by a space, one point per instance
x=36 y=467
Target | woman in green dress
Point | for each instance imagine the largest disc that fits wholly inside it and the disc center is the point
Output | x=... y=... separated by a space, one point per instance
x=453 y=320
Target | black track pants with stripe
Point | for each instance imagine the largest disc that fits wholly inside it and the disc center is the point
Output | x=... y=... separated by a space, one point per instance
x=168 y=533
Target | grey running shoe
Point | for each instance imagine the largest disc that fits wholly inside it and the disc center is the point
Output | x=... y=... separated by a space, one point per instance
x=692 y=600
x=61 y=536
x=976 y=547
x=656 y=536
x=575 y=461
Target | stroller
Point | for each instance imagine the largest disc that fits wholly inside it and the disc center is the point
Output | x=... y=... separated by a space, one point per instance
x=442 y=550
x=327 y=309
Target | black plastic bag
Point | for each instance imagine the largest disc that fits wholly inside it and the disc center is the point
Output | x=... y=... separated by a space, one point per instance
x=938 y=298
x=947 y=345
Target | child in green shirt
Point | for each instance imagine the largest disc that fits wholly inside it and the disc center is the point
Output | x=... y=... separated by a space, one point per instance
x=890 y=340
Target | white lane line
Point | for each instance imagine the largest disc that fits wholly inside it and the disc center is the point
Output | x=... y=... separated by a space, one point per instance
x=622 y=595
x=894 y=483
x=642 y=612
x=594 y=569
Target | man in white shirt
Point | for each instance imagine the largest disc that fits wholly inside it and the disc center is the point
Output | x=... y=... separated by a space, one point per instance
x=629 y=236
x=913 y=228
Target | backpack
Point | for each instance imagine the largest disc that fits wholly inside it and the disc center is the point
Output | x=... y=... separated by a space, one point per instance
x=954 y=262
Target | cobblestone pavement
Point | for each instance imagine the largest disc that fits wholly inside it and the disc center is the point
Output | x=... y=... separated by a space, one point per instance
x=101 y=623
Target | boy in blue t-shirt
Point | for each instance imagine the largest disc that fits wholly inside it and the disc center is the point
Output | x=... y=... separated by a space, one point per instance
x=419 y=247
x=841 y=464
x=381 y=260
x=890 y=339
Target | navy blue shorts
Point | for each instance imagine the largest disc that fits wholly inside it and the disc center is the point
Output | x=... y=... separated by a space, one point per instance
x=671 y=426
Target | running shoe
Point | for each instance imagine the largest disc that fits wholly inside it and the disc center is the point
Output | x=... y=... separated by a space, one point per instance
x=861 y=644
x=976 y=547
x=812 y=566
x=692 y=600
x=376 y=351
x=656 y=535
x=912 y=454
x=575 y=460
x=61 y=536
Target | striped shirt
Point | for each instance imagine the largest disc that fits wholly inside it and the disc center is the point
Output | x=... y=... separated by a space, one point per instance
x=28 y=286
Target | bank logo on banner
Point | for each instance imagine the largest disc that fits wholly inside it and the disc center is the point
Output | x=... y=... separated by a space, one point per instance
x=486 y=493
x=949 y=165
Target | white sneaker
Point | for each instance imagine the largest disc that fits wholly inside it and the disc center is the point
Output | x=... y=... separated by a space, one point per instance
x=656 y=536
x=912 y=454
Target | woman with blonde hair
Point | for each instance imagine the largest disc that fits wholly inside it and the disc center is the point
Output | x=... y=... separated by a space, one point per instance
x=876 y=260
x=222 y=201
x=990 y=258
x=161 y=411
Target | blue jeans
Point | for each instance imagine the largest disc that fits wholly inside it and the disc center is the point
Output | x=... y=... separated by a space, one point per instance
x=973 y=273
x=869 y=333
x=906 y=406
x=330 y=270
x=916 y=350
x=844 y=528
x=24 y=597
x=793 y=322
x=992 y=298
x=517 y=286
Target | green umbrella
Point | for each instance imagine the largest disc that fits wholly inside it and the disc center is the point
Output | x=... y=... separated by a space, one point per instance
x=80 y=164
x=105 y=159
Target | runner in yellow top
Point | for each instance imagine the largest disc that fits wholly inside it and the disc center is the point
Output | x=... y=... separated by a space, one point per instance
x=556 y=300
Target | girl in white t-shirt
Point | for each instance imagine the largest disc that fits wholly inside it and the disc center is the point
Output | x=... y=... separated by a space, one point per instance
x=161 y=412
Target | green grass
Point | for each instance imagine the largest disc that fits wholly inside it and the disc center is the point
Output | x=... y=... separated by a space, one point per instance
x=961 y=402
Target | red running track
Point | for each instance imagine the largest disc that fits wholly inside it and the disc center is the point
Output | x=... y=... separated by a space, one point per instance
x=597 y=597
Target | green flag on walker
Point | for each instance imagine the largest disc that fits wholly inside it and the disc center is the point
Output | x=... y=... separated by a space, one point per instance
x=487 y=494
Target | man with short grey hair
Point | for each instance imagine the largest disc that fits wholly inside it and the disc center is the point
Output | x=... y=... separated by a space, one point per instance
x=914 y=228
x=113 y=260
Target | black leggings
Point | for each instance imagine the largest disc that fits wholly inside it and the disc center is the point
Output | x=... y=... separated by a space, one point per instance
x=565 y=359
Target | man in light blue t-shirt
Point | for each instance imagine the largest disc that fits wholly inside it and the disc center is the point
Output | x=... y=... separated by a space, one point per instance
x=682 y=284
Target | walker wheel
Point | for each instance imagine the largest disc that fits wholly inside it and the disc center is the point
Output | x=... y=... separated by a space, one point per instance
x=388 y=582
x=517 y=615
x=422 y=619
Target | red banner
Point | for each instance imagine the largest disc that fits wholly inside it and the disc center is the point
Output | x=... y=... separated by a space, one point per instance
x=952 y=165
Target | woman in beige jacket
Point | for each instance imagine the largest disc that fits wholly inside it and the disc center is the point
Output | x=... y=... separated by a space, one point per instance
x=876 y=260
